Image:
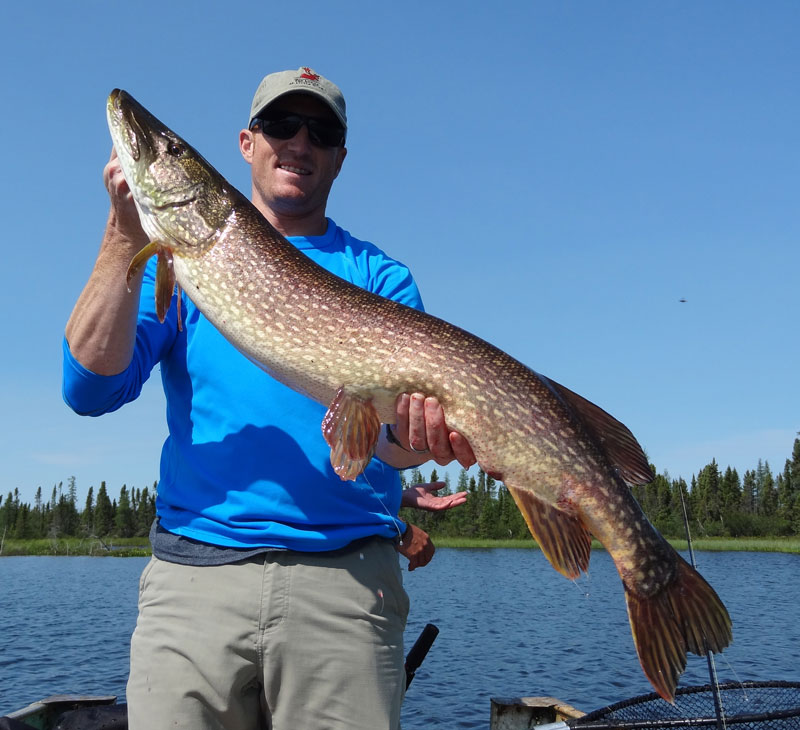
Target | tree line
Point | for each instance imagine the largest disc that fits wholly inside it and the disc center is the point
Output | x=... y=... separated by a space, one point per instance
x=717 y=503
x=129 y=515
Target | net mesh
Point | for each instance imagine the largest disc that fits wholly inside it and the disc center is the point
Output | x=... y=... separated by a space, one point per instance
x=756 y=705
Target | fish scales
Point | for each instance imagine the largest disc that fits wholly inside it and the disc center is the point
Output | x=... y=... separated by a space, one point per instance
x=566 y=462
x=318 y=363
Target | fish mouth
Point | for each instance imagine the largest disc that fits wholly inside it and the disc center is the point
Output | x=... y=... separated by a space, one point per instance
x=179 y=196
x=130 y=133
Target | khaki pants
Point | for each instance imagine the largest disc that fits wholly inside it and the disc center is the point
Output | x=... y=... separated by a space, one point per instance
x=287 y=641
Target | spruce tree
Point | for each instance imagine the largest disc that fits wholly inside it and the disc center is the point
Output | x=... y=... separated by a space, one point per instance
x=749 y=504
x=102 y=512
x=145 y=513
x=87 y=516
x=767 y=494
x=124 y=519
x=730 y=493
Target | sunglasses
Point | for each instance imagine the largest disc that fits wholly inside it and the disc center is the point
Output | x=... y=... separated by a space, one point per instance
x=321 y=132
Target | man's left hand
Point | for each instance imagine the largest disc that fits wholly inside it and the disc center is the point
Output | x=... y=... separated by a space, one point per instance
x=423 y=496
x=417 y=546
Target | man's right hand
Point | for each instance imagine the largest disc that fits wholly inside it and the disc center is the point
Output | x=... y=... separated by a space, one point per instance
x=123 y=215
x=101 y=330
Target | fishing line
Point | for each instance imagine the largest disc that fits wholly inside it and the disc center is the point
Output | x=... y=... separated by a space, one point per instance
x=584 y=590
x=739 y=680
x=395 y=520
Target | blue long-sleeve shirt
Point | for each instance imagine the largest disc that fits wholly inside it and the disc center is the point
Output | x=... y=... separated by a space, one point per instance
x=245 y=464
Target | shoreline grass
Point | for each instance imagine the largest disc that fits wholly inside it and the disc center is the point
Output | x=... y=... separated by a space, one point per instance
x=117 y=547
x=138 y=547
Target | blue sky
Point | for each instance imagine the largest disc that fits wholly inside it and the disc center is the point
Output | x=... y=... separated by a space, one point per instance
x=558 y=175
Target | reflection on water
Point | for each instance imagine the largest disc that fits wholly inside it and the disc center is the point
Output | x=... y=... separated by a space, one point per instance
x=509 y=626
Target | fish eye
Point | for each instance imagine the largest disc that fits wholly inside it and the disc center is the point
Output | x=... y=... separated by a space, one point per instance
x=176 y=149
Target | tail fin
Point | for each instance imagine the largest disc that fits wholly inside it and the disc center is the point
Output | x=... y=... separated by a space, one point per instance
x=687 y=615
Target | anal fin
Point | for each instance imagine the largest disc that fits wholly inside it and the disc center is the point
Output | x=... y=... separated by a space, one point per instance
x=351 y=428
x=562 y=537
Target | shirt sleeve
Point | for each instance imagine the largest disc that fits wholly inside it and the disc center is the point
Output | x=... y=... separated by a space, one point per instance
x=393 y=280
x=90 y=394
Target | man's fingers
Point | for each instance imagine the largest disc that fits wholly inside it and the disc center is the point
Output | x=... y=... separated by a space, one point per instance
x=417 y=431
x=436 y=432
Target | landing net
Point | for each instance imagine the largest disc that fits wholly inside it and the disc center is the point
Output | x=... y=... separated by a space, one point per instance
x=755 y=705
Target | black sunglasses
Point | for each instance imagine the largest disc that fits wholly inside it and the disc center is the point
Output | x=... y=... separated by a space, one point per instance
x=321 y=132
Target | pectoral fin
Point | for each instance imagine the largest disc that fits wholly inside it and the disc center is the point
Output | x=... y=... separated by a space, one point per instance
x=562 y=537
x=351 y=428
x=141 y=258
x=165 y=276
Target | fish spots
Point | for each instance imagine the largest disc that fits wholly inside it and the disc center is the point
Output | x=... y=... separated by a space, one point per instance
x=550 y=444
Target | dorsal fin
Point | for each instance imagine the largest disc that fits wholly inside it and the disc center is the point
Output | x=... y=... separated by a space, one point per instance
x=612 y=436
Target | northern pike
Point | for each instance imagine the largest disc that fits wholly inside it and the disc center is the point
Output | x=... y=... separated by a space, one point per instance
x=567 y=463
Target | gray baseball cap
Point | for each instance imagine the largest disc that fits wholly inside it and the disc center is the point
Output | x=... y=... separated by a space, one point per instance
x=304 y=81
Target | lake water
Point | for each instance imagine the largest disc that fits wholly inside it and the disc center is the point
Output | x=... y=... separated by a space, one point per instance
x=509 y=626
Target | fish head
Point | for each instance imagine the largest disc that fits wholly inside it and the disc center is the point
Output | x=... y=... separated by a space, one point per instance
x=182 y=200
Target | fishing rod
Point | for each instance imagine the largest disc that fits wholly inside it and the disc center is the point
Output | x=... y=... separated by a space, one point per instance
x=712 y=669
x=420 y=650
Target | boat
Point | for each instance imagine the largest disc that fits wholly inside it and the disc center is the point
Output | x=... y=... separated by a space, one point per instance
x=523 y=713
x=741 y=705
x=69 y=712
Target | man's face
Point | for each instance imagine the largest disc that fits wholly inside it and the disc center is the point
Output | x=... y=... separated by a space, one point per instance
x=292 y=177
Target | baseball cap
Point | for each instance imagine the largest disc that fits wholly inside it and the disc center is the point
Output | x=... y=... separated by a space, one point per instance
x=305 y=81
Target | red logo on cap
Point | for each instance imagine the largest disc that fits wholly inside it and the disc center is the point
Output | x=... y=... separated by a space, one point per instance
x=309 y=74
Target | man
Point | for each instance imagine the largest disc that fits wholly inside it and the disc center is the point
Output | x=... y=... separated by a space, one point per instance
x=274 y=596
